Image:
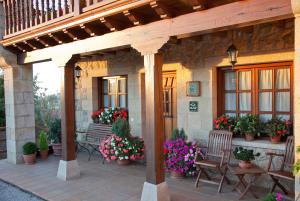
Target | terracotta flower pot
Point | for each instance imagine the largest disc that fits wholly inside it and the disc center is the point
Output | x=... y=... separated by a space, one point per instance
x=245 y=164
x=57 y=149
x=123 y=162
x=275 y=139
x=249 y=136
x=176 y=175
x=44 y=154
x=29 y=159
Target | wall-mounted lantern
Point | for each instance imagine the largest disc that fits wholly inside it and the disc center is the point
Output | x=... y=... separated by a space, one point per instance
x=232 y=54
x=77 y=72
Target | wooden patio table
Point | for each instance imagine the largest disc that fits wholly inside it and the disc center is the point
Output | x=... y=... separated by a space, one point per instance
x=253 y=173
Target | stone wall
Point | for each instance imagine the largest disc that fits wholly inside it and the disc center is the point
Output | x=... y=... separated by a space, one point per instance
x=2 y=144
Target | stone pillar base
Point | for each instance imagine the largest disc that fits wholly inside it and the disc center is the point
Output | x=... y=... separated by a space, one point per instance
x=153 y=192
x=68 y=170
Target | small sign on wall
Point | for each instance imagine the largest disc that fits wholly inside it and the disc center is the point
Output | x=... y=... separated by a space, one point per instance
x=193 y=88
x=193 y=106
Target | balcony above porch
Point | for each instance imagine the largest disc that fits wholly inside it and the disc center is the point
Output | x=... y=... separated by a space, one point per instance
x=37 y=24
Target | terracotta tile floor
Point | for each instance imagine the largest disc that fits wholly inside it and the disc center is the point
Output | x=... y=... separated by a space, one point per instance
x=98 y=182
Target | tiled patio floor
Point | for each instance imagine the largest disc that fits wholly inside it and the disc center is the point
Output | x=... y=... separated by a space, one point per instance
x=98 y=182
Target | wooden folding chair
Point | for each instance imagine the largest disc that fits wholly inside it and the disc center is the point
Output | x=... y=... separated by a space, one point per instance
x=217 y=157
x=284 y=171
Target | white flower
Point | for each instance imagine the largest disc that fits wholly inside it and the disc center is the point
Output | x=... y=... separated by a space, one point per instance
x=108 y=121
x=121 y=158
x=126 y=157
x=102 y=113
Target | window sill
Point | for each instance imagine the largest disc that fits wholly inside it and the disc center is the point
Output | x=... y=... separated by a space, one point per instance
x=263 y=144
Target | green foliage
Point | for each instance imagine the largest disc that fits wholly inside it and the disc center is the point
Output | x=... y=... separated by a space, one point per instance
x=29 y=148
x=43 y=143
x=2 y=104
x=244 y=154
x=278 y=127
x=270 y=197
x=121 y=127
x=296 y=166
x=176 y=134
x=54 y=133
x=247 y=124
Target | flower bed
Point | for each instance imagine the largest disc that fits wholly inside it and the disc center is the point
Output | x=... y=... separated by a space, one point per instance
x=109 y=116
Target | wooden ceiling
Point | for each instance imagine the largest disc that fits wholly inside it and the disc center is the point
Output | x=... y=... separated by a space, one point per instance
x=117 y=21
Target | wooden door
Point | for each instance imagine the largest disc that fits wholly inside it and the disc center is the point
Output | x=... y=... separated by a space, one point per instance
x=169 y=102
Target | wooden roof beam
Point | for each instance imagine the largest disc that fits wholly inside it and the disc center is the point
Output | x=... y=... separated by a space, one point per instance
x=109 y=24
x=87 y=29
x=70 y=35
x=30 y=45
x=45 y=44
x=133 y=18
x=19 y=48
x=161 y=9
x=196 y=4
x=55 y=38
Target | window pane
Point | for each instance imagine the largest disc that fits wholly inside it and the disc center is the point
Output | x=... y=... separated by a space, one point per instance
x=245 y=80
x=265 y=101
x=231 y=114
x=122 y=101
x=265 y=117
x=283 y=78
x=283 y=101
x=112 y=86
x=105 y=87
x=265 y=79
x=112 y=101
x=230 y=81
x=105 y=102
x=285 y=117
x=230 y=101
x=245 y=101
x=122 y=86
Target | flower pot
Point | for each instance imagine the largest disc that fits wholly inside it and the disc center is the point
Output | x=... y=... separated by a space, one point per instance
x=176 y=175
x=245 y=164
x=123 y=162
x=57 y=148
x=44 y=154
x=275 y=139
x=249 y=136
x=29 y=159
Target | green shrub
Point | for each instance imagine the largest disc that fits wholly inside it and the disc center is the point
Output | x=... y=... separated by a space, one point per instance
x=43 y=143
x=176 y=134
x=244 y=154
x=121 y=127
x=247 y=124
x=54 y=133
x=29 y=148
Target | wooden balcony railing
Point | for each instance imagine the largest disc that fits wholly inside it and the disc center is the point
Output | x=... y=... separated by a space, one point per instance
x=24 y=14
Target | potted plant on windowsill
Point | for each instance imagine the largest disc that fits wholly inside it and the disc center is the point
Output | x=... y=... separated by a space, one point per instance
x=224 y=122
x=245 y=156
x=54 y=136
x=248 y=125
x=43 y=145
x=278 y=128
x=29 y=153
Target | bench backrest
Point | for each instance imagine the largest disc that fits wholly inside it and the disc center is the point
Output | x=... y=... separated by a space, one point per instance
x=97 y=132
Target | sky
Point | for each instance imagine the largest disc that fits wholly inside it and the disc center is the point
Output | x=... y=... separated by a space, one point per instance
x=48 y=76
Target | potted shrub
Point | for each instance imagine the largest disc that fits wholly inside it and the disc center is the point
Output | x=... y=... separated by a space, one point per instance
x=278 y=128
x=179 y=157
x=121 y=127
x=224 y=122
x=54 y=136
x=29 y=153
x=43 y=145
x=245 y=156
x=248 y=125
x=273 y=197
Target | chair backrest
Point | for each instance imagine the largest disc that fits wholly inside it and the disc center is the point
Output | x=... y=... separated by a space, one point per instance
x=218 y=141
x=97 y=132
x=289 y=155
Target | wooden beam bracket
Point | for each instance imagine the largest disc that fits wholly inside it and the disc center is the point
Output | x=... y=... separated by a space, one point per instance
x=87 y=29
x=69 y=34
x=161 y=9
x=55 y=38
x=136 y=20
x=109 y=24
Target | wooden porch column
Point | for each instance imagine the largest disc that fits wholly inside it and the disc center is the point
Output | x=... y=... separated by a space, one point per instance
x=296 y=10
x=155 y=187
x=68 y=166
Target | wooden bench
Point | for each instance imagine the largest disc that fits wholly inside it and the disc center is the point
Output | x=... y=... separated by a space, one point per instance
x=94 y=135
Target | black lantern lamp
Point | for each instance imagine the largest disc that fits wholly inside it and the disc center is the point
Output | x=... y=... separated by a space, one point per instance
x=77 y=72
x=232 y=54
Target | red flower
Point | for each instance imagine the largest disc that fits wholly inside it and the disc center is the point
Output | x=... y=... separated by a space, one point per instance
x=125 y=151
x=217 y=126
x=166 y=151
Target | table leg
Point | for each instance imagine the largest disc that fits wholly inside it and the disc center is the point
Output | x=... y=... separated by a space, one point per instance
x=248 y=185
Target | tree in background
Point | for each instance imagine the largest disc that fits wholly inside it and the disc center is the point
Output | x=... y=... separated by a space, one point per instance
x=2 y=103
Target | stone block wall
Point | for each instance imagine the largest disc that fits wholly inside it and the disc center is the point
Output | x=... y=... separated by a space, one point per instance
x=3 y=153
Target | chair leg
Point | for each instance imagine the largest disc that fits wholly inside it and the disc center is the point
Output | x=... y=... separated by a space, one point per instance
x=198 y=177
x=282 y=188
x=206 y=174
x=222 y=180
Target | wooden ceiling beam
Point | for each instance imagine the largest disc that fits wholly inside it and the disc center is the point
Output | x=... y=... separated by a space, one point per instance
x=87 y=29
x=109 y=24
x=196 y=4
x=30 y=45
x=136 y=20
x=161 y=9
x=55 y=38
x=45 y=44
x=19 y=48
x=70 y=35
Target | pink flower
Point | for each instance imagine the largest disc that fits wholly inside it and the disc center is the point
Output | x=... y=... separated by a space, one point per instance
x=113 y=158
x=278 y=197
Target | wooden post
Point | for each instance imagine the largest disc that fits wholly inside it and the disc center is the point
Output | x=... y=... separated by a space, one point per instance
x=154 y=118
x=77 y=7
x=68 y=113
